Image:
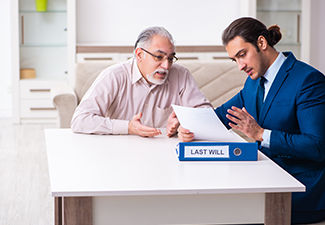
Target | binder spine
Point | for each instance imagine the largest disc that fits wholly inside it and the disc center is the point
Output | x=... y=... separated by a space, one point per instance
x=217 y=151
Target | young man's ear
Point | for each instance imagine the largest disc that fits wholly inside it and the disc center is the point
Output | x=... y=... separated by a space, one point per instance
x=262 y=43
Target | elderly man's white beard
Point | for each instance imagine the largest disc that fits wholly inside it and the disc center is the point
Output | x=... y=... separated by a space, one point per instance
x=151 y=79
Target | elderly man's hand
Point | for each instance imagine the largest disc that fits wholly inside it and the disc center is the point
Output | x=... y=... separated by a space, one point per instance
x=172 y=125
x=185 y=135
x=135 y=127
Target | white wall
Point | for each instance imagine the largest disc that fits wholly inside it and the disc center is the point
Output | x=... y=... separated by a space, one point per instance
x=317 y=30
x=5 y=60
x=190 y=22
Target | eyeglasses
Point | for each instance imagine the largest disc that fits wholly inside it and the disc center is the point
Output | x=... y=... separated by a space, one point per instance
x=161 y=58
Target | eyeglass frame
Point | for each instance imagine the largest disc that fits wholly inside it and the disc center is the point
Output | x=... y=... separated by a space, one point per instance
x=158 y=56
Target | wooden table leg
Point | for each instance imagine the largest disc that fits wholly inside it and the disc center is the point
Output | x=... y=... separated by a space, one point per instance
x=77 y=210
x=277 y=209
x=58 y=210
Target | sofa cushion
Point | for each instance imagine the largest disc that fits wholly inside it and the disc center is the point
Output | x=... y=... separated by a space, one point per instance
x=86 y=73
x=219 y=80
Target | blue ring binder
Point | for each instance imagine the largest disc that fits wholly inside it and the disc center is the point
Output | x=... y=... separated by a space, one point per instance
x=217 y=151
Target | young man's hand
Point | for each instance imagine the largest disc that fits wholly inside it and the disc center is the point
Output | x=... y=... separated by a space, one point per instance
x=245 y=123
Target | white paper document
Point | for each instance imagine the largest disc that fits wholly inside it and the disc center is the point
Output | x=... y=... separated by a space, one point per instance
x=205 y=124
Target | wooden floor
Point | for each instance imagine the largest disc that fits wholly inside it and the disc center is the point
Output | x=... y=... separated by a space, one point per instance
x=24 y=179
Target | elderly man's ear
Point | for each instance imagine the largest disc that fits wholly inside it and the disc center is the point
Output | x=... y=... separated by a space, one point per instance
x=139 y=54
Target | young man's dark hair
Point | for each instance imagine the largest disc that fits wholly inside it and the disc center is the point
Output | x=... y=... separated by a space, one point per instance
x=250 y=29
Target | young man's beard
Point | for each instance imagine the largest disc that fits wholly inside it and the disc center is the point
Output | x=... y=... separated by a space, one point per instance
x=263 y=66
x=151 y=79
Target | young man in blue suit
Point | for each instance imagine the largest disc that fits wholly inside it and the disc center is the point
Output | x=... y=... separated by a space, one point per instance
x=290 y=123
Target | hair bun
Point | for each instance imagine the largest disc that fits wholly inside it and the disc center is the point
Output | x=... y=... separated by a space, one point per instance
x=275 y=34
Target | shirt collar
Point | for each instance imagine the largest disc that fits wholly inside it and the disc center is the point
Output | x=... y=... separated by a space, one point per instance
x=274 y=68
x=136 y=74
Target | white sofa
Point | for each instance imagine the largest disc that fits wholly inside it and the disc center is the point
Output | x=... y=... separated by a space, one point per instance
x=219 y=80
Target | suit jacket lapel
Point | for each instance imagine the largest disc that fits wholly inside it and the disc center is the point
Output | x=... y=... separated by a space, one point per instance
x=276 y=85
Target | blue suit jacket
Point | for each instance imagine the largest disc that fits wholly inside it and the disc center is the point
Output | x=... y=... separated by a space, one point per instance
x=294 y=110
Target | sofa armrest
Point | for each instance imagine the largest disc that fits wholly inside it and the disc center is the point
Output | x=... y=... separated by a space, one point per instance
x=65 y=101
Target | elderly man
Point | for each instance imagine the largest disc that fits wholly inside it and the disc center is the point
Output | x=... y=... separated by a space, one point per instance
x=282 y=107
x=135 y=97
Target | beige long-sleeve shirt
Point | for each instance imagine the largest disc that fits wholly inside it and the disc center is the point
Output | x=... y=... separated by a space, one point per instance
x=120 y=92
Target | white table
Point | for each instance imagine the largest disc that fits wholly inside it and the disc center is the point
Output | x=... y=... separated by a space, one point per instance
x=125 y=179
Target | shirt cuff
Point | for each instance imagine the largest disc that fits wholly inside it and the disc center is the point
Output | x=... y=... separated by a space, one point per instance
x=266 y=138
x=120 y=127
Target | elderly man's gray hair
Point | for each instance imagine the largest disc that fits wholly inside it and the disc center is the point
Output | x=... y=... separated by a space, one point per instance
x=145 y=37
